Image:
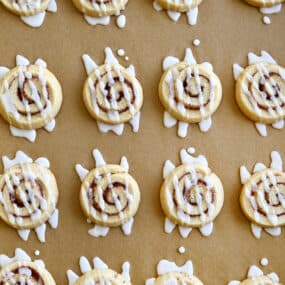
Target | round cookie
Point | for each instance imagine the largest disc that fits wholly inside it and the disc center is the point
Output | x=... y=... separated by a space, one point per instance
x=100 y=8
x=260 y=92
x=264 y=3
x=191 y=195
x=26 y=7
x=28 y=195
x=180 y=278
x=259 y=280
x=25 y=272
x=109 y=196
x=179 y=5
x=190 y=93
x=262 y=198
x=97 y=275
x=112 y=95
x=30 y=97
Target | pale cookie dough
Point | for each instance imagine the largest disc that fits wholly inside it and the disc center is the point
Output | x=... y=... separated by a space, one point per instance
x=174 y=8
x=260 y=91
x=20 y=269
x=98 y=12
x=264 y=3
x=109 y=195
x=256 y=276
x=28 y=195
x=189 y=92
x=98 y=273
x=30 y=97
x=112 y=94
x=191 y=195
x=32 y=12
x=170 y=273
x=262 y=196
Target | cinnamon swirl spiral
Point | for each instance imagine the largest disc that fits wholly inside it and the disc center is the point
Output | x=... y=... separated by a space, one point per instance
x=100 y=8
x=190 y=92
x=260 y=92
x=26 y=7
x=191 y=195
x=25 y=273
x=180 y=5
x=28 y=195
x=112 y=95
x=263 y=198
x=109 y=196
x=30 y=97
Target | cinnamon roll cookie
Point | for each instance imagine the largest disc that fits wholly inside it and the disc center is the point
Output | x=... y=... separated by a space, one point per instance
x=99 y=12
x=109 y=195
x=98 y=273
x=28 y=195
x=174 y=8
x=31 y=12
x=189 y=92
x=168 y=272
x=191 y=195
x=112 y=94
x=30 y=97
x=20 y=269
x=260 y=91
x=262 y=196
x=256 y=276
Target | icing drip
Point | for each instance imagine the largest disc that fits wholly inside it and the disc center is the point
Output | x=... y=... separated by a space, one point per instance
x=98 y=264
x=111 y=59
x=20 y=159
x=192 y=14
x=36 y=20
x=165 y=266
x=175 y=85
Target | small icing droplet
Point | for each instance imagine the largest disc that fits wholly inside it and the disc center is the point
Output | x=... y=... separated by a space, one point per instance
x=120 y=52
x=264 y=261
x=121 y=21
x=266 y=20
x=196 y=42
x=181 y=249
x=36 y=252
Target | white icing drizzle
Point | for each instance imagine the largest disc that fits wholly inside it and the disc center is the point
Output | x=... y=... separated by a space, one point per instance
x=30 y=134
x=37 y=252
x=186 y=157
x=196 y=42
x=171 y=78
x=90 y=66
x=192 y=14
x=99 y=264
x=245 y=175
x=266 y=20
x=22 y=158
x=165 y=266
x=98 y=230
x=256 y=59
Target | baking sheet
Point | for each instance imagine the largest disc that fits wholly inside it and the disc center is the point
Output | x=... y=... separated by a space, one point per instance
x=228 y=30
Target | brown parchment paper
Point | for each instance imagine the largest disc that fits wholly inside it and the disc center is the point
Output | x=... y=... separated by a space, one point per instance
x=228 y=30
